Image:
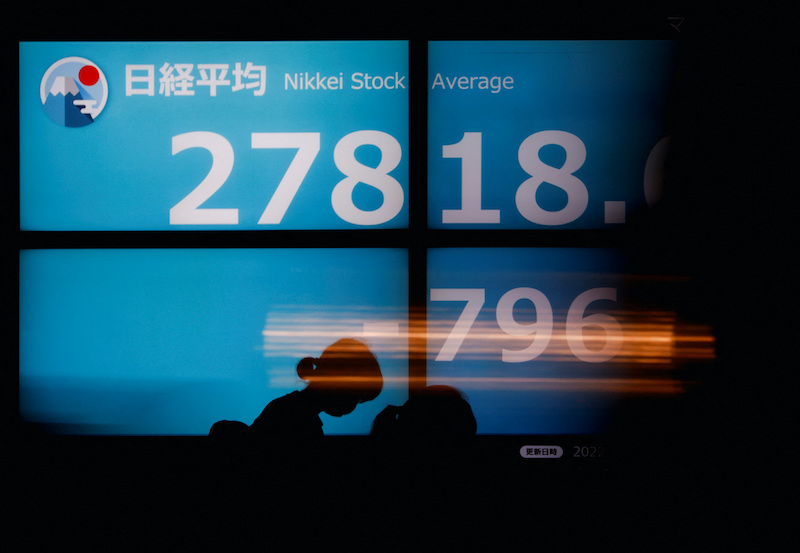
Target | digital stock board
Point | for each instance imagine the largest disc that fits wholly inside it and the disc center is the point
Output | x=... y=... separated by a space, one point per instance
x=292 y=176
x=562 y=222
x=170 y=136
x=548 y=134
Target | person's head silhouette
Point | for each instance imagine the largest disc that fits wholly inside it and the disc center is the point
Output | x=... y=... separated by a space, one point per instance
x=346 y=374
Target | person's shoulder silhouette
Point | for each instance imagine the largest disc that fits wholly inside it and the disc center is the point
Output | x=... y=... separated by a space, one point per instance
x=292 y=416
x=434 y=417
x=345 y=375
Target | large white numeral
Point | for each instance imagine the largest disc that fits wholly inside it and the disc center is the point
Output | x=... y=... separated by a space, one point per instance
x=577 y=194
x=542 y=328
x=188 y=211
x=377 y=177
x=475 y=297
x=577 y=323
x=469 y=151
x=307 y=144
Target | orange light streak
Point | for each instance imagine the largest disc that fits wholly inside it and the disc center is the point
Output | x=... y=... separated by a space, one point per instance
x=653 y=346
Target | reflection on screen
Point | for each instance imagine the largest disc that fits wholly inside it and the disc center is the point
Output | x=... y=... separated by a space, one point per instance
x=545 y=341
x=164 y=341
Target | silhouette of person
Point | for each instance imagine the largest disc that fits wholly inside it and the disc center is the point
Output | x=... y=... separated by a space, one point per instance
x=346 y=374
x=438 y=417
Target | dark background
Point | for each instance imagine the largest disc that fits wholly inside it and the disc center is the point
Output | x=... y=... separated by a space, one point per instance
x=707 y=472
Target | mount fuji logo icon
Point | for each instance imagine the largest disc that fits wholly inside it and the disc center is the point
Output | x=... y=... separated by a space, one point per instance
x=73 y=92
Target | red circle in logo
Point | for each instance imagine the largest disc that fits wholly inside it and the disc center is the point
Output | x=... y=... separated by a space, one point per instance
x=88 y=75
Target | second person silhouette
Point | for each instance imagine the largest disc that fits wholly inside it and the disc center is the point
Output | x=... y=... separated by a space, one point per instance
x=346 y=374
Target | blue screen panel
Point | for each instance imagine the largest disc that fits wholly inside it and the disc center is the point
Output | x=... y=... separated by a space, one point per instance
x=169 y=341
x=217 y=135
x=536 y=338
x=546 y=134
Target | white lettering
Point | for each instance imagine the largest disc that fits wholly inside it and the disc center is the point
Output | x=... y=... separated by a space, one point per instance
x=256 y=76
x=176 y=80
x=377 y=82
x=139 y=79
x=494 y=84
x=179 y=80
x=313 y=81
x=210 y=77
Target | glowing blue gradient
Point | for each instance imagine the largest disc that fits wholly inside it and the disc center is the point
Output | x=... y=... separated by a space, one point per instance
x=610 y=94
x=164 y=341
x=551 y=394
x=120 y=174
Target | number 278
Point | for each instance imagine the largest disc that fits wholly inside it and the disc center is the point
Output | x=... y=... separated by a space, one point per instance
x=189 y=212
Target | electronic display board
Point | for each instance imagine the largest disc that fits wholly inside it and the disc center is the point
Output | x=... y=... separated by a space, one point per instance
x=315 y=136
x=545 y=134
x=213 y=135
x=555 y=343
x=535 y=137
x=532 y=336
x=169 y=341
